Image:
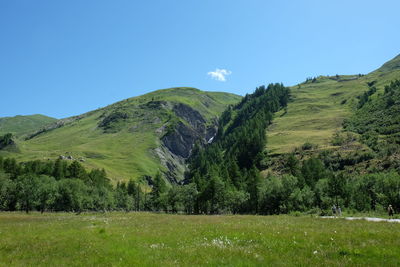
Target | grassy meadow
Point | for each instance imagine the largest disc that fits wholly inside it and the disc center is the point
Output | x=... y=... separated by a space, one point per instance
x=318 y=109
x=127 y=239
x=20 y=125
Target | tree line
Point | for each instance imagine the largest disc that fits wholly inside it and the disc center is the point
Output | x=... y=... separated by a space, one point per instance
x=61 y=186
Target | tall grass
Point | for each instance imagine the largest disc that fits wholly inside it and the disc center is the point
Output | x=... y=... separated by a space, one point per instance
x=146 y=239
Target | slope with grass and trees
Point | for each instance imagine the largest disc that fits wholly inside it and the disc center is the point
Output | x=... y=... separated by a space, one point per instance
x=133 y=138
x=319 y=107
x=237 y=163
x=341 y=149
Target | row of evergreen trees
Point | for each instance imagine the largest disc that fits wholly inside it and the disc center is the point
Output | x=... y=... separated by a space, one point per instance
x=308 y=185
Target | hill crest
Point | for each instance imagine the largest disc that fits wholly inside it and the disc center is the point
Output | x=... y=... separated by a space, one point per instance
x=134 y=137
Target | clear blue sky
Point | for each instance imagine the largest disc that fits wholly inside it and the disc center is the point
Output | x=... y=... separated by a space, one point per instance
x=63 y=58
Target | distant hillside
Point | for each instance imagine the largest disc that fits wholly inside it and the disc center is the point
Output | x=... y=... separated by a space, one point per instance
x=20 y=125
x=320 y=105
x=377 y=120
x=134 y=137
x=392 y=65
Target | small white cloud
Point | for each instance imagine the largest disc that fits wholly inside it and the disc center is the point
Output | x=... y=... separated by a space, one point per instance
x=219 y=74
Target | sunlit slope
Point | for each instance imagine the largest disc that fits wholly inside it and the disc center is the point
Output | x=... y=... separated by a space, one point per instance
x=125 y=146
x=318 y=108
x=19 y=125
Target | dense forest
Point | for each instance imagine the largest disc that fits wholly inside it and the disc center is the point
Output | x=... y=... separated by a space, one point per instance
x=225 y=176
x=61 y=186
x=226 y=173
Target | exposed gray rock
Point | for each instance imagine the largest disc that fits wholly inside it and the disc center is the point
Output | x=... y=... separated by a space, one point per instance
x=181 y=141
x=156 y=120
x=174 y=164
x=192 y=116
x=178 y=142
x=114 y=117
x=160 y=130
x=134 y=128
x=69 y=157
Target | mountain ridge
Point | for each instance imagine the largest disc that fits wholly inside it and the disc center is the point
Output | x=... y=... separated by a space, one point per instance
x=133 y=137
x=390 y=65
x=23 y=124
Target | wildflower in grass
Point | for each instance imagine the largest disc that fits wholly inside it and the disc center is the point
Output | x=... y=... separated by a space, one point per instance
x=315 y=252
x=154 y=246
x=221 y=242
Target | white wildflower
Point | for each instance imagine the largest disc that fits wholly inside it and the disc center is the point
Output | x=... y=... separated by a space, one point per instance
x=154 y=246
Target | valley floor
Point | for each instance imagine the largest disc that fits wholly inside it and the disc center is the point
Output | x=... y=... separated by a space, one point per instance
x=126 y=239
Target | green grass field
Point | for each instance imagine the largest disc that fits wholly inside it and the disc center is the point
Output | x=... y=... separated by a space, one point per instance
x=146 y=239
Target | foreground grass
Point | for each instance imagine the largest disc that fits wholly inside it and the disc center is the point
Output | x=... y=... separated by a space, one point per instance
x=159 y=239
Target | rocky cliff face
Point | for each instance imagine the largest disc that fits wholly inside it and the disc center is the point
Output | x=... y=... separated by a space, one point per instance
x=178 y=142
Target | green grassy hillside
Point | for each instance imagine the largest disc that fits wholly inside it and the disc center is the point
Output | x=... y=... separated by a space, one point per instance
x=319 y=106
x=20 y=125
x=125 y=137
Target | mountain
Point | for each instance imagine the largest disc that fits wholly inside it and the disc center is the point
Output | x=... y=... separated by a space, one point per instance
x=392 y=65
x=20 y=125
x=320 y=105
x=138 y=136
x=331 y=140
x=134 y=137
